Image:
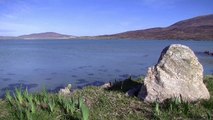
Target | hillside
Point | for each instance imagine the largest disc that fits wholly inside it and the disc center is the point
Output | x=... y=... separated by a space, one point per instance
x=46 y=35
x=198 y=28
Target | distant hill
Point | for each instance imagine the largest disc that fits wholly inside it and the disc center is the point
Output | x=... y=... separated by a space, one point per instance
x=7 y=37
x=198 y=28
x=46 y=35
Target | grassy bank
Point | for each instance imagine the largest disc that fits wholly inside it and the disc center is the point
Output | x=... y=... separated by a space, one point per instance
x=101 y=104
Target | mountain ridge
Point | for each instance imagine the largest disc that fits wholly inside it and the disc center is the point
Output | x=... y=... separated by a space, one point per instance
x=197 y=28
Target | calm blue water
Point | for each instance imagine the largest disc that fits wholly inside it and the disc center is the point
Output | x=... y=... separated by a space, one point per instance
x=53 y=64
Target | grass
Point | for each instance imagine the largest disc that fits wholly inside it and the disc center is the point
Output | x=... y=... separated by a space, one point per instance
x=95 y=103
x=24 y=106
x=114 y=104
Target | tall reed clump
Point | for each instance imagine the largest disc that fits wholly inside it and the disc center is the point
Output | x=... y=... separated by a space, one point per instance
x=74 y=108
x=26 y=106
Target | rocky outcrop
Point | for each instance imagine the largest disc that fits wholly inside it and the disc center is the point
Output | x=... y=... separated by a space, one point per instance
x=208 y=53
x=178 y=74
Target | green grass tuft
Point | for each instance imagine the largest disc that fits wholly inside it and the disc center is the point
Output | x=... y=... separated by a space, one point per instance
x=26 y=106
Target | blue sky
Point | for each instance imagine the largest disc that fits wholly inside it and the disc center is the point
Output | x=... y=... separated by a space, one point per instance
x=94 y=17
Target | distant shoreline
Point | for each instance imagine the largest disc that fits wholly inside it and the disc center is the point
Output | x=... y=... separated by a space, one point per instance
x=133 y=39
x=198 y=28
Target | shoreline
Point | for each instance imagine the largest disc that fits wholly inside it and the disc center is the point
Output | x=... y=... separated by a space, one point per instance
x=117 y=39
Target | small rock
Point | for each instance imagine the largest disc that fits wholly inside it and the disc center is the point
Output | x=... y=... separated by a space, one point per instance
x=106 y=85
x=69 y=86
x=66 y=90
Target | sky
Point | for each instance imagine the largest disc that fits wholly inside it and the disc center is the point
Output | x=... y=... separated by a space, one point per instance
x=94 y=17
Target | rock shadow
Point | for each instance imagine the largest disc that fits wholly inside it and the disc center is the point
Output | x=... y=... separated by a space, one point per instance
x=124 y=85
x=130 y=87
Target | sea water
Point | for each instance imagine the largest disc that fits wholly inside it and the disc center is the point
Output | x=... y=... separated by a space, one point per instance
x=52 y=64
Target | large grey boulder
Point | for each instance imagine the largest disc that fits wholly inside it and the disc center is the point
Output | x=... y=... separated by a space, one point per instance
x=178 y=74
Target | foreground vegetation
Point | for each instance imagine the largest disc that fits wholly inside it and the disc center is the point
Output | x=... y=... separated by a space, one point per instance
x=95 y=103
x=44 y=106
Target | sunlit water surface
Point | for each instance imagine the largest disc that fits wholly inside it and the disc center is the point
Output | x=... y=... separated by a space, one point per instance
x=35 y=64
